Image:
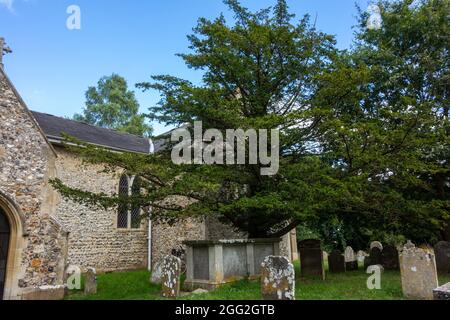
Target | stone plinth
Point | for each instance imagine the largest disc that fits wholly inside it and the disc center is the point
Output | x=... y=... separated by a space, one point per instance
x=210 y=264
x=442 y=293
x=45 y=293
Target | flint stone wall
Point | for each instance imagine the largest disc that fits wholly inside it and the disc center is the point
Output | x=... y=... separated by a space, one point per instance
x=94 y=240
x=26 y=163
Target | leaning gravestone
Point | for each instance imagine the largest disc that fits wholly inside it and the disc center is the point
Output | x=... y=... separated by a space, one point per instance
x=336 y=262
x=376 y=244
x=350 y=259
x=170 y=280
x=442 y=293
x=90 y=282
x=374 y=257
x=442 y=252
x=418 y=273
x=156 y=275
x=311 y=258
x=389 y=258
x=277 y=279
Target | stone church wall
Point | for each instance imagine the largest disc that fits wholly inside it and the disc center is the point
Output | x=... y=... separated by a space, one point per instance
x=26 y=163
x=94 y=239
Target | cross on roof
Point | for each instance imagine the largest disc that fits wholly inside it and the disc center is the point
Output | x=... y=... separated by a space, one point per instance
x=3 y=50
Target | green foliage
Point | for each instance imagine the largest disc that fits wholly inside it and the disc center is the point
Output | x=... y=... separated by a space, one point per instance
x=364 y=133
x=111 y=105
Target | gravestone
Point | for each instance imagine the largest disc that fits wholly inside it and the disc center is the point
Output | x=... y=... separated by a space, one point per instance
x=311 y=258
x=418 y=273
x=170 y=280
x=446 y=233
x=376 y=244
x=442 y=252
x=361 y=256
x=442 y=293
x=373 y=258
x=277 y=279
x=155 y=277
x=90 y=282
x=336 y=262
x=389 y=258
x=409 y=245
x=351 y=263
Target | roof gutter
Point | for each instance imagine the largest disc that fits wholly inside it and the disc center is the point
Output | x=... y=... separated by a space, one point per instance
x=60 y=141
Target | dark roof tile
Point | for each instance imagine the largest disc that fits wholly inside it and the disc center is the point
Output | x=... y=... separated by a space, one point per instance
x=54 y=127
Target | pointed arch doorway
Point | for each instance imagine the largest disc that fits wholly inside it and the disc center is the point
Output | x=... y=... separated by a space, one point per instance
x=5 y=234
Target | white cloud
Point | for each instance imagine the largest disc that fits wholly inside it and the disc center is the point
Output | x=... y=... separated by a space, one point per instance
x=8 y=4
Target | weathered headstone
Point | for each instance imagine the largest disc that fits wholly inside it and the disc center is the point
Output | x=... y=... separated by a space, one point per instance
x=90 y=282
x=376 y=244
x=336 y=262
x=350 y=259
x=361 y=256
x=277 y=279
x=409 y=245
x=311 y=258
x=373 y=258
x=155 y=277
x=442 y=252
x=418 y=273
x=389 y=258
x=442 y=293
x=170 y=280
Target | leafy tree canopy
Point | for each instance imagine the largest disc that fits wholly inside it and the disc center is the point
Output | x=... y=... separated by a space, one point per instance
x=111 y=105
x=364 y=133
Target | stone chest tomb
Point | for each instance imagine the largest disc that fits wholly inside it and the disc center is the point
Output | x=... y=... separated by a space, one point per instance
x=212 y=263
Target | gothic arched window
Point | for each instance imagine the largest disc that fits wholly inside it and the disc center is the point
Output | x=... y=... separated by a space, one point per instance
x=136 y=210
x=128 y=216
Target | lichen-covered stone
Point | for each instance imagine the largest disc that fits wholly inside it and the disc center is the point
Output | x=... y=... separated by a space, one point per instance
x=277 y=279
x=171 y=273
x=418 y=273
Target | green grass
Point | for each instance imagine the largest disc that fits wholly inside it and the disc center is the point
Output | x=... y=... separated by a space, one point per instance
x=135 y=285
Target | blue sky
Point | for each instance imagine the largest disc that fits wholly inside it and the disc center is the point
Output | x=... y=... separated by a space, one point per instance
x=52 y=66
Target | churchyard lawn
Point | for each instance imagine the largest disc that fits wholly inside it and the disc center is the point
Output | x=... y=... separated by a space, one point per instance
x=135 y=285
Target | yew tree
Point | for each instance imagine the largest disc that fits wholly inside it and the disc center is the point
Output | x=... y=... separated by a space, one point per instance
x=363 y=133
